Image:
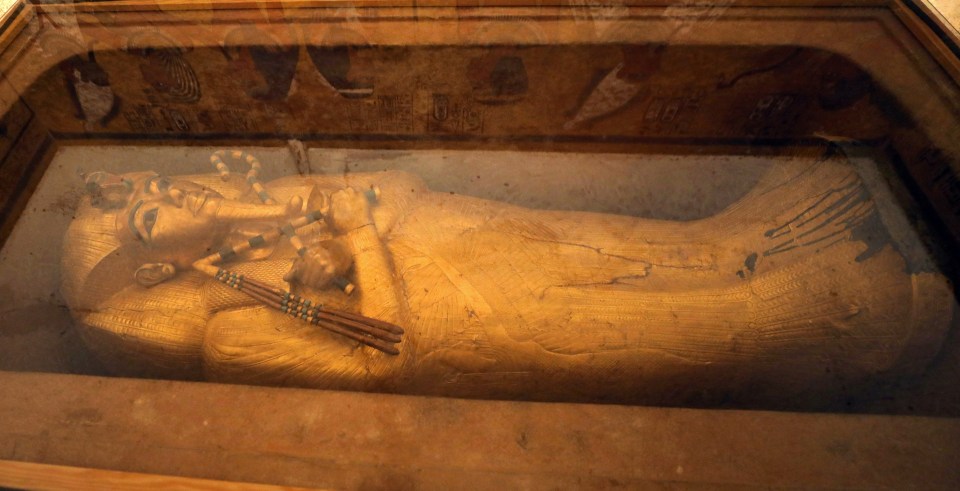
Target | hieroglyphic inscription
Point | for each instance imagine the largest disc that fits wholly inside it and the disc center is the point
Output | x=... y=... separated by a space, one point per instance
x=141 y=118
x=149 y=118
x=449 y=114
x=175 y=119
x=670 y=109
x=774 y=114
x=384 y=114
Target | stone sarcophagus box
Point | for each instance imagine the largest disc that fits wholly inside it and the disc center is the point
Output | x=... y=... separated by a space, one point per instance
x=714 y=205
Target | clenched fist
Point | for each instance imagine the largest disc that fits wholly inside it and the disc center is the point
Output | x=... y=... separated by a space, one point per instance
x=320 y=265
x=349 y=210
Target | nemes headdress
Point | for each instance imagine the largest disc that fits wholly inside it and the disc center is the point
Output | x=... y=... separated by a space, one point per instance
x=95 y=260
x=92 y=255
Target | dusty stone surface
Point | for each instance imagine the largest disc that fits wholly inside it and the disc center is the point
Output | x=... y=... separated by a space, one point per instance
x=366 y=441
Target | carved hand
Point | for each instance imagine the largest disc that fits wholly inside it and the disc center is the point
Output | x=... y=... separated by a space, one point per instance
x=320 y=265
x=349 y=210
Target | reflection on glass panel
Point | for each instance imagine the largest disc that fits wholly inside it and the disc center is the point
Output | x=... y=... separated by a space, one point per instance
x=564 y=203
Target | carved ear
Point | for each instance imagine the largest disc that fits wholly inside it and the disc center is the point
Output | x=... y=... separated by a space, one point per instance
x=151 y=274
x=176 y=196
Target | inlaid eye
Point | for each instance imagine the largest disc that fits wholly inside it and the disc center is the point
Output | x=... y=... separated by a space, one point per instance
x=149 y=220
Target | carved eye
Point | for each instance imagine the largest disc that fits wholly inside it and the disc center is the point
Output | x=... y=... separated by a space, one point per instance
x=149 y=220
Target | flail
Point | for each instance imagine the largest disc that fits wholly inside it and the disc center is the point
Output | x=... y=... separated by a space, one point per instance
x=371 y=332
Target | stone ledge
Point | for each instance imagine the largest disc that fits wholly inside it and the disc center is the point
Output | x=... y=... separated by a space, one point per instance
x=352 y=440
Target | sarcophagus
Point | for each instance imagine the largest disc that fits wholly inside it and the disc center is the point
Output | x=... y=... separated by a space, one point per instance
x=688 y=204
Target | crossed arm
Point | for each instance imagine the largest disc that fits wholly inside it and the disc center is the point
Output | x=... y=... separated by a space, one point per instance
x=380 y=295
x=327 y=261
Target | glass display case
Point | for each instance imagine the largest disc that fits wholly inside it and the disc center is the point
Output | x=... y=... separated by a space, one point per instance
x=616 y=207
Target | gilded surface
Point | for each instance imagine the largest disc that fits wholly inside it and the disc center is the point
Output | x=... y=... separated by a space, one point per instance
x=796 y=285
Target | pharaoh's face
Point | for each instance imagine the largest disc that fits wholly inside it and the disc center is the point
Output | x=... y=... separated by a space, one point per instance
x=172 y=220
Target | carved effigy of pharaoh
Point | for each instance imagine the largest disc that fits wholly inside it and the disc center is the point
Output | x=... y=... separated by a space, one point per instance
x=796 y=286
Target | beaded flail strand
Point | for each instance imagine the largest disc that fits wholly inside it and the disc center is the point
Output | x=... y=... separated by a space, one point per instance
x=372 y=332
